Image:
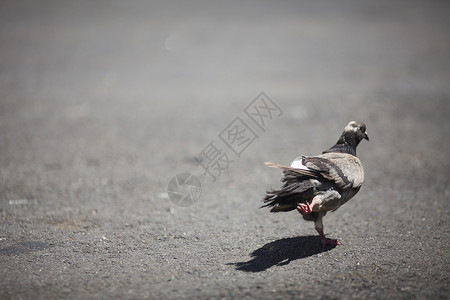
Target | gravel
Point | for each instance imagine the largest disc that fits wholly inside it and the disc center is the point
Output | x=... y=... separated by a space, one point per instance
x=103 y=103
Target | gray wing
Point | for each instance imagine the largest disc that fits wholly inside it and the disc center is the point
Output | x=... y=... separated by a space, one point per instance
x=343 y=169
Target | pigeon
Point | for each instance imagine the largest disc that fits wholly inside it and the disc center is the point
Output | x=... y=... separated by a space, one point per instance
x=315 y=185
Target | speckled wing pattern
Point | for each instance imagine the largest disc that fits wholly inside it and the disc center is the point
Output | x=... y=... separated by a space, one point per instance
x=345 y=170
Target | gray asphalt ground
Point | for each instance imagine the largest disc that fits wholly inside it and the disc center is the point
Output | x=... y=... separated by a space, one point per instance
x=103 y=102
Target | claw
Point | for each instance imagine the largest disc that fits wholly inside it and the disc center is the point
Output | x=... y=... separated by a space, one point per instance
x=326 y=241
x=304 y=208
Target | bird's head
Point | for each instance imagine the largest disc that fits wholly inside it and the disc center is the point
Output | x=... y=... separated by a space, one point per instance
x=353 y=133
x=358 y=129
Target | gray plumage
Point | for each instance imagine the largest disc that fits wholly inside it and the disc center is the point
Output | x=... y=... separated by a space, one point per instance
x=315 y=185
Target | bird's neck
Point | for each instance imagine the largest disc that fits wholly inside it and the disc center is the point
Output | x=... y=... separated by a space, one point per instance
x=346 y=144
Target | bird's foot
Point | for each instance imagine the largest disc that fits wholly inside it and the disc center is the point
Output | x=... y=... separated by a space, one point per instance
x=326 y=241
x=331 y=242
x=304 y=208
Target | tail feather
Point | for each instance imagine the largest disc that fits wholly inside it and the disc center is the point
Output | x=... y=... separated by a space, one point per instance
x=296 y=188
x=288 y=196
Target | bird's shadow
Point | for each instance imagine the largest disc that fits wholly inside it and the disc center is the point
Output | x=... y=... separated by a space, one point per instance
x=282 y=252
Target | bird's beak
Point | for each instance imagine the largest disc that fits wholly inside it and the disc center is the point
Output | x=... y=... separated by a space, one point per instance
x=366 y=137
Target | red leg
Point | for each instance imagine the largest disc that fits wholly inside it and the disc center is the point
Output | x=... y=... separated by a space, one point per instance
x=326 y=241
x=306 y=208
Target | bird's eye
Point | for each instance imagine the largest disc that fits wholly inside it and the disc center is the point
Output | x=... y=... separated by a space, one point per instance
x=363 y=129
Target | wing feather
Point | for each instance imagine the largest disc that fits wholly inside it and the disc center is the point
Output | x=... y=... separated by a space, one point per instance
x=290 y=170
x=345 y=170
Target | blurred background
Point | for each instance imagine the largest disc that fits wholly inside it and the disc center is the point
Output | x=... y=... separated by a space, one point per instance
x=85 y=84
x=103 y=102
